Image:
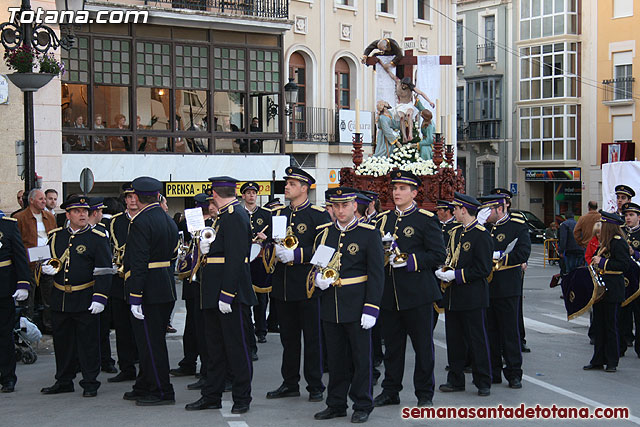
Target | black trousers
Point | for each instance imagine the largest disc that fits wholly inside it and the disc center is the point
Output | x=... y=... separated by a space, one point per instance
x=376 y=340
x=125 y=342
x=504 y=337
x=467 y=329
x=228 y=349
x=150 y=334
x=417 y=323
x=189 y=337
x=7 y=346
x=272 y=319
x=260 y=314
x=76 y=339
x=105 y=331
x=353 y=374
x=605 y=327
x=201 y=339
x=297 y=317
x=521 y=314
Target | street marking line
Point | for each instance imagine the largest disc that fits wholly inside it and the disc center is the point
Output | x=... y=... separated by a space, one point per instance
x=545 y=328
x=582 y=321
x=237 y=424
x=560 y=390
x=226 y=411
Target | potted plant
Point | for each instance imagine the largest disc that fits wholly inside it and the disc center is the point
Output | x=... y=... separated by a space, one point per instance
x=23 y=60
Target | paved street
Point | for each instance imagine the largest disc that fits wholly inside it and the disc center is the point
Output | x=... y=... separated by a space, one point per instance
x=553 y=375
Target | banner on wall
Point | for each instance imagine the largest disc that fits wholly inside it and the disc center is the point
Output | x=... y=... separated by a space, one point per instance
x=613 y=174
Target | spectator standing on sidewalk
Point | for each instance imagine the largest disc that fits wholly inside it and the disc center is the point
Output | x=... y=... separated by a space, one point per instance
x=583 y=232
x=571 y=254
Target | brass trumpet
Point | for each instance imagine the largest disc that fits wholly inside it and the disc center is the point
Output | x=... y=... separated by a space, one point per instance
x=208 y=234
x=332 y=270
x=291 y=240
x=118 y=260
x=57 y=263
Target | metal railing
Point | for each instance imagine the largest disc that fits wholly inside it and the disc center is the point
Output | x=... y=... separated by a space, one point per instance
x=620 y=89
x=486 y=52
x=486 y=129
x=275 y=9
x=459 y=56
x=312 y=124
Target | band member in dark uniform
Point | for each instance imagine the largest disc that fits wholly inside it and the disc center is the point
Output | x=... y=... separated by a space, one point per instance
x=121 y=314
x=444 y=211
x=624 y=194
x=260 y=229
x=151 y=245
x=466 y=298
x=374 y=206
x=410 y=290
x=632 y=230
x=297 y=306
x=350 y=302
x=227 y=297
x=362 y=203
x=612 y=259
x=505 y=290
x=79 y=294
x=14 y=283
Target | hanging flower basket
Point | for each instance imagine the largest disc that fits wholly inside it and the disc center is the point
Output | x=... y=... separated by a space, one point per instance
x=30 y=82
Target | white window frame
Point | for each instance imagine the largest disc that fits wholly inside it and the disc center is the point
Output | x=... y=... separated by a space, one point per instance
x=353 y=8
x=417 y=20
x=568 y=111
x=393 y=15
x=566 y=20
x=613 y=122
x=462 y=19
x=481 y=26
x=531 y=59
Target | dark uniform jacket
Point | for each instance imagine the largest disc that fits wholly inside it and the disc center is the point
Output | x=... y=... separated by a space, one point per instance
x=446 y=228
x=507 y=279
x=473 y=248
x=78 y=283
x=361 y=272
x=119 y=230
x=14 y=265
x=260 y=218
x=613 y=265
x=418 y=234
x=152 y=243
x=289 y=280
x=633 y=239
x=226 y=276
x=190 y=288
x=260 y=222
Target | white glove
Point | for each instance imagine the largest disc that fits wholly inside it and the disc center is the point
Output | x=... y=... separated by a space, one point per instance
x=225 y=308
x=284 y=255
x=497 y=254
x=323 y=283
x=48 y=270
x=439 y=274
x=446 y=276
x=204 y=247
x=483 y=215
x=396 y=265
x=96 y=307
x=367 y=321
x=136 y=310
x=21 y=294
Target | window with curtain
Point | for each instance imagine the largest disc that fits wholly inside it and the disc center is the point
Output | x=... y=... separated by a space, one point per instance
x=342 y=90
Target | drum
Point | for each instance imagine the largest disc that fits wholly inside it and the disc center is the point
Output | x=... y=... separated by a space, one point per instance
x=580 y=290
x=256 y=248
x=631 y=286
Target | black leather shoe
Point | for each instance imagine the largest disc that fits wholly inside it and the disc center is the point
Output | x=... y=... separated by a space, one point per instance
x=359 y=417
x=57 y=389
x=262 y=339
x=109 y=368
x=330 y=413
x=182 y=372
x=515 y=383
x=591 y=367
x=384 y=399
x=154 y=401
x=197 y=385
x=8 y=387
x=132 y=395
x=450 y=388
x=90 y=393
x=496 y=381
x=524 y=348
x=425 y=403
x=484 y=391
x=254 y=355
x=121 y=377
x=283 y=391
x=240 y=408
x=203 y=403
x=315 y=396
x=610 y=369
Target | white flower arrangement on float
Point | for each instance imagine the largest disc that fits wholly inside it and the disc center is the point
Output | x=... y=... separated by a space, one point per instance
x=405 y=157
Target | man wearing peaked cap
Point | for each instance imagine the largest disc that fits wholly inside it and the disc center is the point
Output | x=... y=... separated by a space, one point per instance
x=630 y=314
x=227 y=297
x=415 y=250
x=327 y=202
x=466 y=297
x=80 y=292
x=297 y=306
x=503 y=191
x=362 y=203
x=151 y=245
x=374 y=206
x=624 y=194
x=273 y=203
x=444 y=212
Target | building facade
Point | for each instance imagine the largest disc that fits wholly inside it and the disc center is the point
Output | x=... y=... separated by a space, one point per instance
x=484 y=95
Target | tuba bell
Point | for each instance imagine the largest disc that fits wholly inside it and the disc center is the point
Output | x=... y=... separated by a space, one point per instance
x=208 y=234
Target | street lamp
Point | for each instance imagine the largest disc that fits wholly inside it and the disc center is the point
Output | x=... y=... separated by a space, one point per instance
x=290 y=96
x=41 y=38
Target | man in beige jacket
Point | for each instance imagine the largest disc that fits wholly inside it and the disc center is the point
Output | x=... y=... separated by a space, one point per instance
x=584 y=228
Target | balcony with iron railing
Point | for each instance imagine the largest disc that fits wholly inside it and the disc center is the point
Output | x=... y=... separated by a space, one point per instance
x=313 y=124
x=486 y=53
x=618 y=91
x=483 y=130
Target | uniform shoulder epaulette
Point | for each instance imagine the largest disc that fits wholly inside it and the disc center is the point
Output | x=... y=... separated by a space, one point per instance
x=517 y=215
x=8 y=218
x=318 y=208
x=264 y=209
x=518 y=220
x=425 y=212
x=480 y=227
x=55 y=230
x=98 y=232
x=230 y=210
x=367 y=226
x=381 y=214
x=455 y=227
x=117 y=215
x=325 y=225
x=617 y=237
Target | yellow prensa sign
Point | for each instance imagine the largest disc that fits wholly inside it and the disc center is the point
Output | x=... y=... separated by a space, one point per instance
x=190 y=189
